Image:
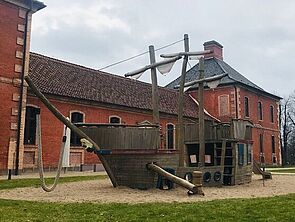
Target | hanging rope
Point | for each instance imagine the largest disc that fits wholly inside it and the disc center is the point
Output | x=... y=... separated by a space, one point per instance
x=40 y=161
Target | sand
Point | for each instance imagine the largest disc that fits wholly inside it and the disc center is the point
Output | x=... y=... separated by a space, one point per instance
x=102 y=191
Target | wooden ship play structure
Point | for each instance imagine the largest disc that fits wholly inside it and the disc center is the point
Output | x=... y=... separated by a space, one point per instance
x=208 y=153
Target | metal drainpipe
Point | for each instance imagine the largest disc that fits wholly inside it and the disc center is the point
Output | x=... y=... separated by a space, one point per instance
x=236 y=97
x=21 y=92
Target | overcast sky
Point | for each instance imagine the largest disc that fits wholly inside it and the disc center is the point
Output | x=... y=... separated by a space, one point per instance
x=258 y=36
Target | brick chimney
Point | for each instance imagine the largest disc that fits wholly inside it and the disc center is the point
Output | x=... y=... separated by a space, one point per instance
x=216 y=47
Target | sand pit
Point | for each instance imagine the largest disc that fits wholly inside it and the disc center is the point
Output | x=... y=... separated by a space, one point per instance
x=102 y=191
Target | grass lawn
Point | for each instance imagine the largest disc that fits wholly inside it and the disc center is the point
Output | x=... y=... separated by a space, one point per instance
x=283 y=170
x=35 y=182
x=280 y=208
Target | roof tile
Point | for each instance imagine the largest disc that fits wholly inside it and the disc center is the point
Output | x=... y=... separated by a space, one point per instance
x=56 y=77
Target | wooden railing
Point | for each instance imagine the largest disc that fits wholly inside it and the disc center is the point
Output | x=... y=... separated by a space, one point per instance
x=212 y=131
x=116 y=136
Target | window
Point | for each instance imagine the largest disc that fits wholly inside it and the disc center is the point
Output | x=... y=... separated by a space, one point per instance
x=260 y=111
x=170 y=136
x=115 y=119
x=30 y=125
x=271 y=114
x=76 y=117
x=223 y=105
x=241 y=154
x=261 y=143
x=209 y=154
x=249 y=154
x=273 y=144
x=246 y=104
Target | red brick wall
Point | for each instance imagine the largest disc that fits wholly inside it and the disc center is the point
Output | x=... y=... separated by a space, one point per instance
x=211 y=102
x=52 y=128
x=9 y=21
x=266 y=127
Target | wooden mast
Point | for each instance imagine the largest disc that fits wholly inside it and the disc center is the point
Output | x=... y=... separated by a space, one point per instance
x=155 y=94
x=201 y=114
x=180 y=128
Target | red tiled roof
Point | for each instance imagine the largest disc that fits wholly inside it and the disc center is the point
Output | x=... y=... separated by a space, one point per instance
x=56 y=77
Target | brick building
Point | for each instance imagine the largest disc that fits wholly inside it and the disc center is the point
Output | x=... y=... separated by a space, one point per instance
x=236 y=97
x=15 y=23
x=91 y=96
x=87 y=95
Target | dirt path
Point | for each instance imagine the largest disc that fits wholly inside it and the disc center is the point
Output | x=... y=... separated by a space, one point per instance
x=102 y=191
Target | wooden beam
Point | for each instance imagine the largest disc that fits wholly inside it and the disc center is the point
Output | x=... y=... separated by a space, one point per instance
x=201 y=114
x=186 y=53
x=173 y=178
x=75 y=129
x=209 y=79
x=155 y=94
x=154 y=65
x=180 y=128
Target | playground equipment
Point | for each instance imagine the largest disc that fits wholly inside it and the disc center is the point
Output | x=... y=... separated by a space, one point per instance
x=257 y=170
x=131 y=156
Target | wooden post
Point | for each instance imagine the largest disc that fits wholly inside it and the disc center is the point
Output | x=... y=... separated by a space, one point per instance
x=180 y=128
x=173 y=178
x=201 y=114
x=155 y=95
x=197 y=181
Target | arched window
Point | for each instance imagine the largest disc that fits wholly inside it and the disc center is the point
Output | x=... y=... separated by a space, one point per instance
x=170 y=136
x=30 y=125
x=260 y=111
x=271 y=114
x=115 y=119
x=76 y=117
x=246 y=105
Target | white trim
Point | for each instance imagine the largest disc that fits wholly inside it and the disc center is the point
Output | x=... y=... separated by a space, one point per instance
x=145 y=122
x=32 y=105
x=83 y=114
x=77 y=111
x=205 y=111
x=238 y=102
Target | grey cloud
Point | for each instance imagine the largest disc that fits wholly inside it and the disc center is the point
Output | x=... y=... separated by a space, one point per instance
x=258 y=36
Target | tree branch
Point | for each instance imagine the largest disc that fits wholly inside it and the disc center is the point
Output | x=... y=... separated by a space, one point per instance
x=291 y=119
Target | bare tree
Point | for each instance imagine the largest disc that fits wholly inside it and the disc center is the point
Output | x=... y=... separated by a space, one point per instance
x=287 y=116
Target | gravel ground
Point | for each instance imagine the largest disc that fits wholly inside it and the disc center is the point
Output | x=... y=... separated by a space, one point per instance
x=103 y=192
